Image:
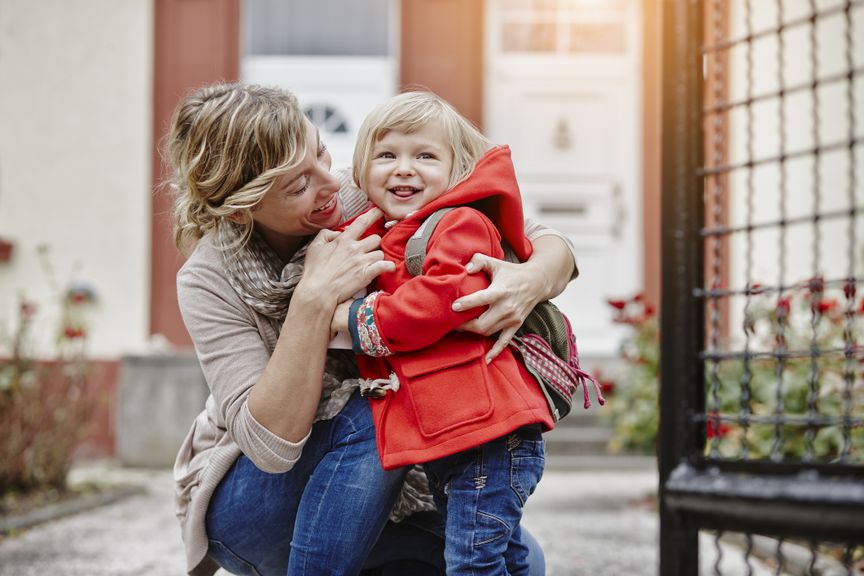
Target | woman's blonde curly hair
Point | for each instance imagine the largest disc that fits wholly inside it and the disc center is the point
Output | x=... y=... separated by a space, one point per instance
x=227 y=143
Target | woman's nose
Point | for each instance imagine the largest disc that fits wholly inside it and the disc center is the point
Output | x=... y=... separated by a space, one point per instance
x=329 y=183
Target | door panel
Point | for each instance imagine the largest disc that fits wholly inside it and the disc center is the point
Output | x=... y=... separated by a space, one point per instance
x=562 y=89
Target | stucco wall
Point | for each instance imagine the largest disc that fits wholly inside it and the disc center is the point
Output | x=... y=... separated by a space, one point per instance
x=75 y=141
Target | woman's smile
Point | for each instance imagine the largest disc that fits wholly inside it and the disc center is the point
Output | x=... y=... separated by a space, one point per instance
x=329 y=205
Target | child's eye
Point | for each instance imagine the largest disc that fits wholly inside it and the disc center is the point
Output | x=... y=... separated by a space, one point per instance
x=426 y=156
x=322 y=149
x=388 y=155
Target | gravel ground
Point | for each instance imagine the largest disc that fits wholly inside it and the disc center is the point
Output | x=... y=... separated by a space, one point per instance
x=597 y=523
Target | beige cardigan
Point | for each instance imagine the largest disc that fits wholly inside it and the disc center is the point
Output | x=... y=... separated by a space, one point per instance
x=234 y=343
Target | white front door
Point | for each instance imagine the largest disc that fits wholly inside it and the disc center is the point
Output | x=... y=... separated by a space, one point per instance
x=563 y=89
x=337 y=57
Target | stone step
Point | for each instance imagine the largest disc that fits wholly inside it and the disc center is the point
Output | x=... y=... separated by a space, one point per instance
x=580 y=417
x=586 y=440
x=595 y=463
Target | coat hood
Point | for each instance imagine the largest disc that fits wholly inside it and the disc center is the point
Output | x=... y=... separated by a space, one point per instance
x=492 y=189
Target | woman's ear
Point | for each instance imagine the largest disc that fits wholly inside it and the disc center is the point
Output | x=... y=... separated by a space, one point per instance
x=239 y=217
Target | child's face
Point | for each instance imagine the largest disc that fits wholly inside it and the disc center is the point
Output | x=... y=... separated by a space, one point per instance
x=407 y=171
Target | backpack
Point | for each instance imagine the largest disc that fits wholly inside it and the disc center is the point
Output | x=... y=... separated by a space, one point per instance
x=545 y=341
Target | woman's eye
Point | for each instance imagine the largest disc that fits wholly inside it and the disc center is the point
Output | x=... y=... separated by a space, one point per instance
x=303 y=188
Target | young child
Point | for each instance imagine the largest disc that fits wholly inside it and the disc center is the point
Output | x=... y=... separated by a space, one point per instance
x=476 y=427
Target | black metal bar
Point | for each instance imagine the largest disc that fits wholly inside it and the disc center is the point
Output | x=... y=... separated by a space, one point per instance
x=804 y=502
x=808 y=219
x=801 y=420
x=802 y=87
x=847 y=352
x=682 y=334
x=764 y=290
x=776 y=30
x=842 y=145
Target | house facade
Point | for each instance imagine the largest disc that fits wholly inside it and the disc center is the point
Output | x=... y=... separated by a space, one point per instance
x=88 y=88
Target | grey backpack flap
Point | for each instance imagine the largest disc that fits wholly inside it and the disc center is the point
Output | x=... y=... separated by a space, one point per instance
x=545 y=341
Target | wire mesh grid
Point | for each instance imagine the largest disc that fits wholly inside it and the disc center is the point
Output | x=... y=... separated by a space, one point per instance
x=784 y=235
x=758 y=555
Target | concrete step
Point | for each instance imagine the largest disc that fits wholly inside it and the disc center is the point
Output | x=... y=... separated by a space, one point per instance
x=578 y=440
x=595 y=463
x=579 y=417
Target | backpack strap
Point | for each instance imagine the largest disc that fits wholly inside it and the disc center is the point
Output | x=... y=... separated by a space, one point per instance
x=415 y=248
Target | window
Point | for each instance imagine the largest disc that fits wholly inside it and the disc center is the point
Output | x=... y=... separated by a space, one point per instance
x=317 y=27
x=564 y=26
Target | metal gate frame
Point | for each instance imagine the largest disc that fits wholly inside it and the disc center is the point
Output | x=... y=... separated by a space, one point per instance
x=813 y=501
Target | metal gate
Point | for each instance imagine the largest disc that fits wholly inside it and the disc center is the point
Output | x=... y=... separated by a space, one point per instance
x=762 y=379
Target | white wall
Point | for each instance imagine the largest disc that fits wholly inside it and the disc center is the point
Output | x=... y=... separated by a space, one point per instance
x=75 y=137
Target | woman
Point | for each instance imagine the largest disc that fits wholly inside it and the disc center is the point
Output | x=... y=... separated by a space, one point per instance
x=279 y=472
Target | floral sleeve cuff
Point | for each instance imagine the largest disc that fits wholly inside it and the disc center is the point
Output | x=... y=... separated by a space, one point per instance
x=365 y=338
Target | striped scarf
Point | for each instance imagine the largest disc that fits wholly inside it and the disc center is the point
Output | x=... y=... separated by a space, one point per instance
x=265 y=283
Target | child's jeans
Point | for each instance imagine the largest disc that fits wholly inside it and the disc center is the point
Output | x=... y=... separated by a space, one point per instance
x=481 y=492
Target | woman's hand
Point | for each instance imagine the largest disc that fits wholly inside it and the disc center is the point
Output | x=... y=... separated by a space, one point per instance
x=513 y=293
x=338 y=264
x=516 y=289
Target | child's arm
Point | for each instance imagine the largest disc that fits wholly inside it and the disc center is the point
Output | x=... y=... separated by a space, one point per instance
x=419 y=312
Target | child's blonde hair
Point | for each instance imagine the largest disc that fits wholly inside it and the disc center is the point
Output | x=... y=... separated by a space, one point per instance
x=409 y=112
x=227 y=144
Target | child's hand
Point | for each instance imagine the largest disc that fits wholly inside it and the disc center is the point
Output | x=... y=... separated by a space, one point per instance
x=515 y=290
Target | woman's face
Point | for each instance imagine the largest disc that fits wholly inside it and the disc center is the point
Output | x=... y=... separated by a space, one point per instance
x=300 y=202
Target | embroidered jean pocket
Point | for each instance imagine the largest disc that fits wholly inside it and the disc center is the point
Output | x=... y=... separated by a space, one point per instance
x=527 y=460
x=447 y=383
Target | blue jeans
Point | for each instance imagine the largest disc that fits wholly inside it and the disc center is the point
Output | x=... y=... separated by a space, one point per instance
x=321 y=517
x=481 y=493
x=324 y=515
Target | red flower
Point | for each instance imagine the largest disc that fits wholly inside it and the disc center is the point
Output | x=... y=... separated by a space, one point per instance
x=721 y=429
x=28 y=309
x=649 y=310
x=617 y=304
x=827 y=306
x=77 y=297
x=73 y=332
x=849 y=289
x=639 y=297
x=756 y=288
x=80 y=295
x=783 y=306
x=607 y=387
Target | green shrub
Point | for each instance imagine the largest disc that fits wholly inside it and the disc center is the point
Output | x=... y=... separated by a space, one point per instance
x=825 y=389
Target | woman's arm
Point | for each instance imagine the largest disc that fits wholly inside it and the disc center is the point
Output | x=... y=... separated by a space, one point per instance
x=267 y=402
x=517 y=288
x=337 y=265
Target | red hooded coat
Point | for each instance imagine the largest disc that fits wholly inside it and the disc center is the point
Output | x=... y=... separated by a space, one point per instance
x=449 y=399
